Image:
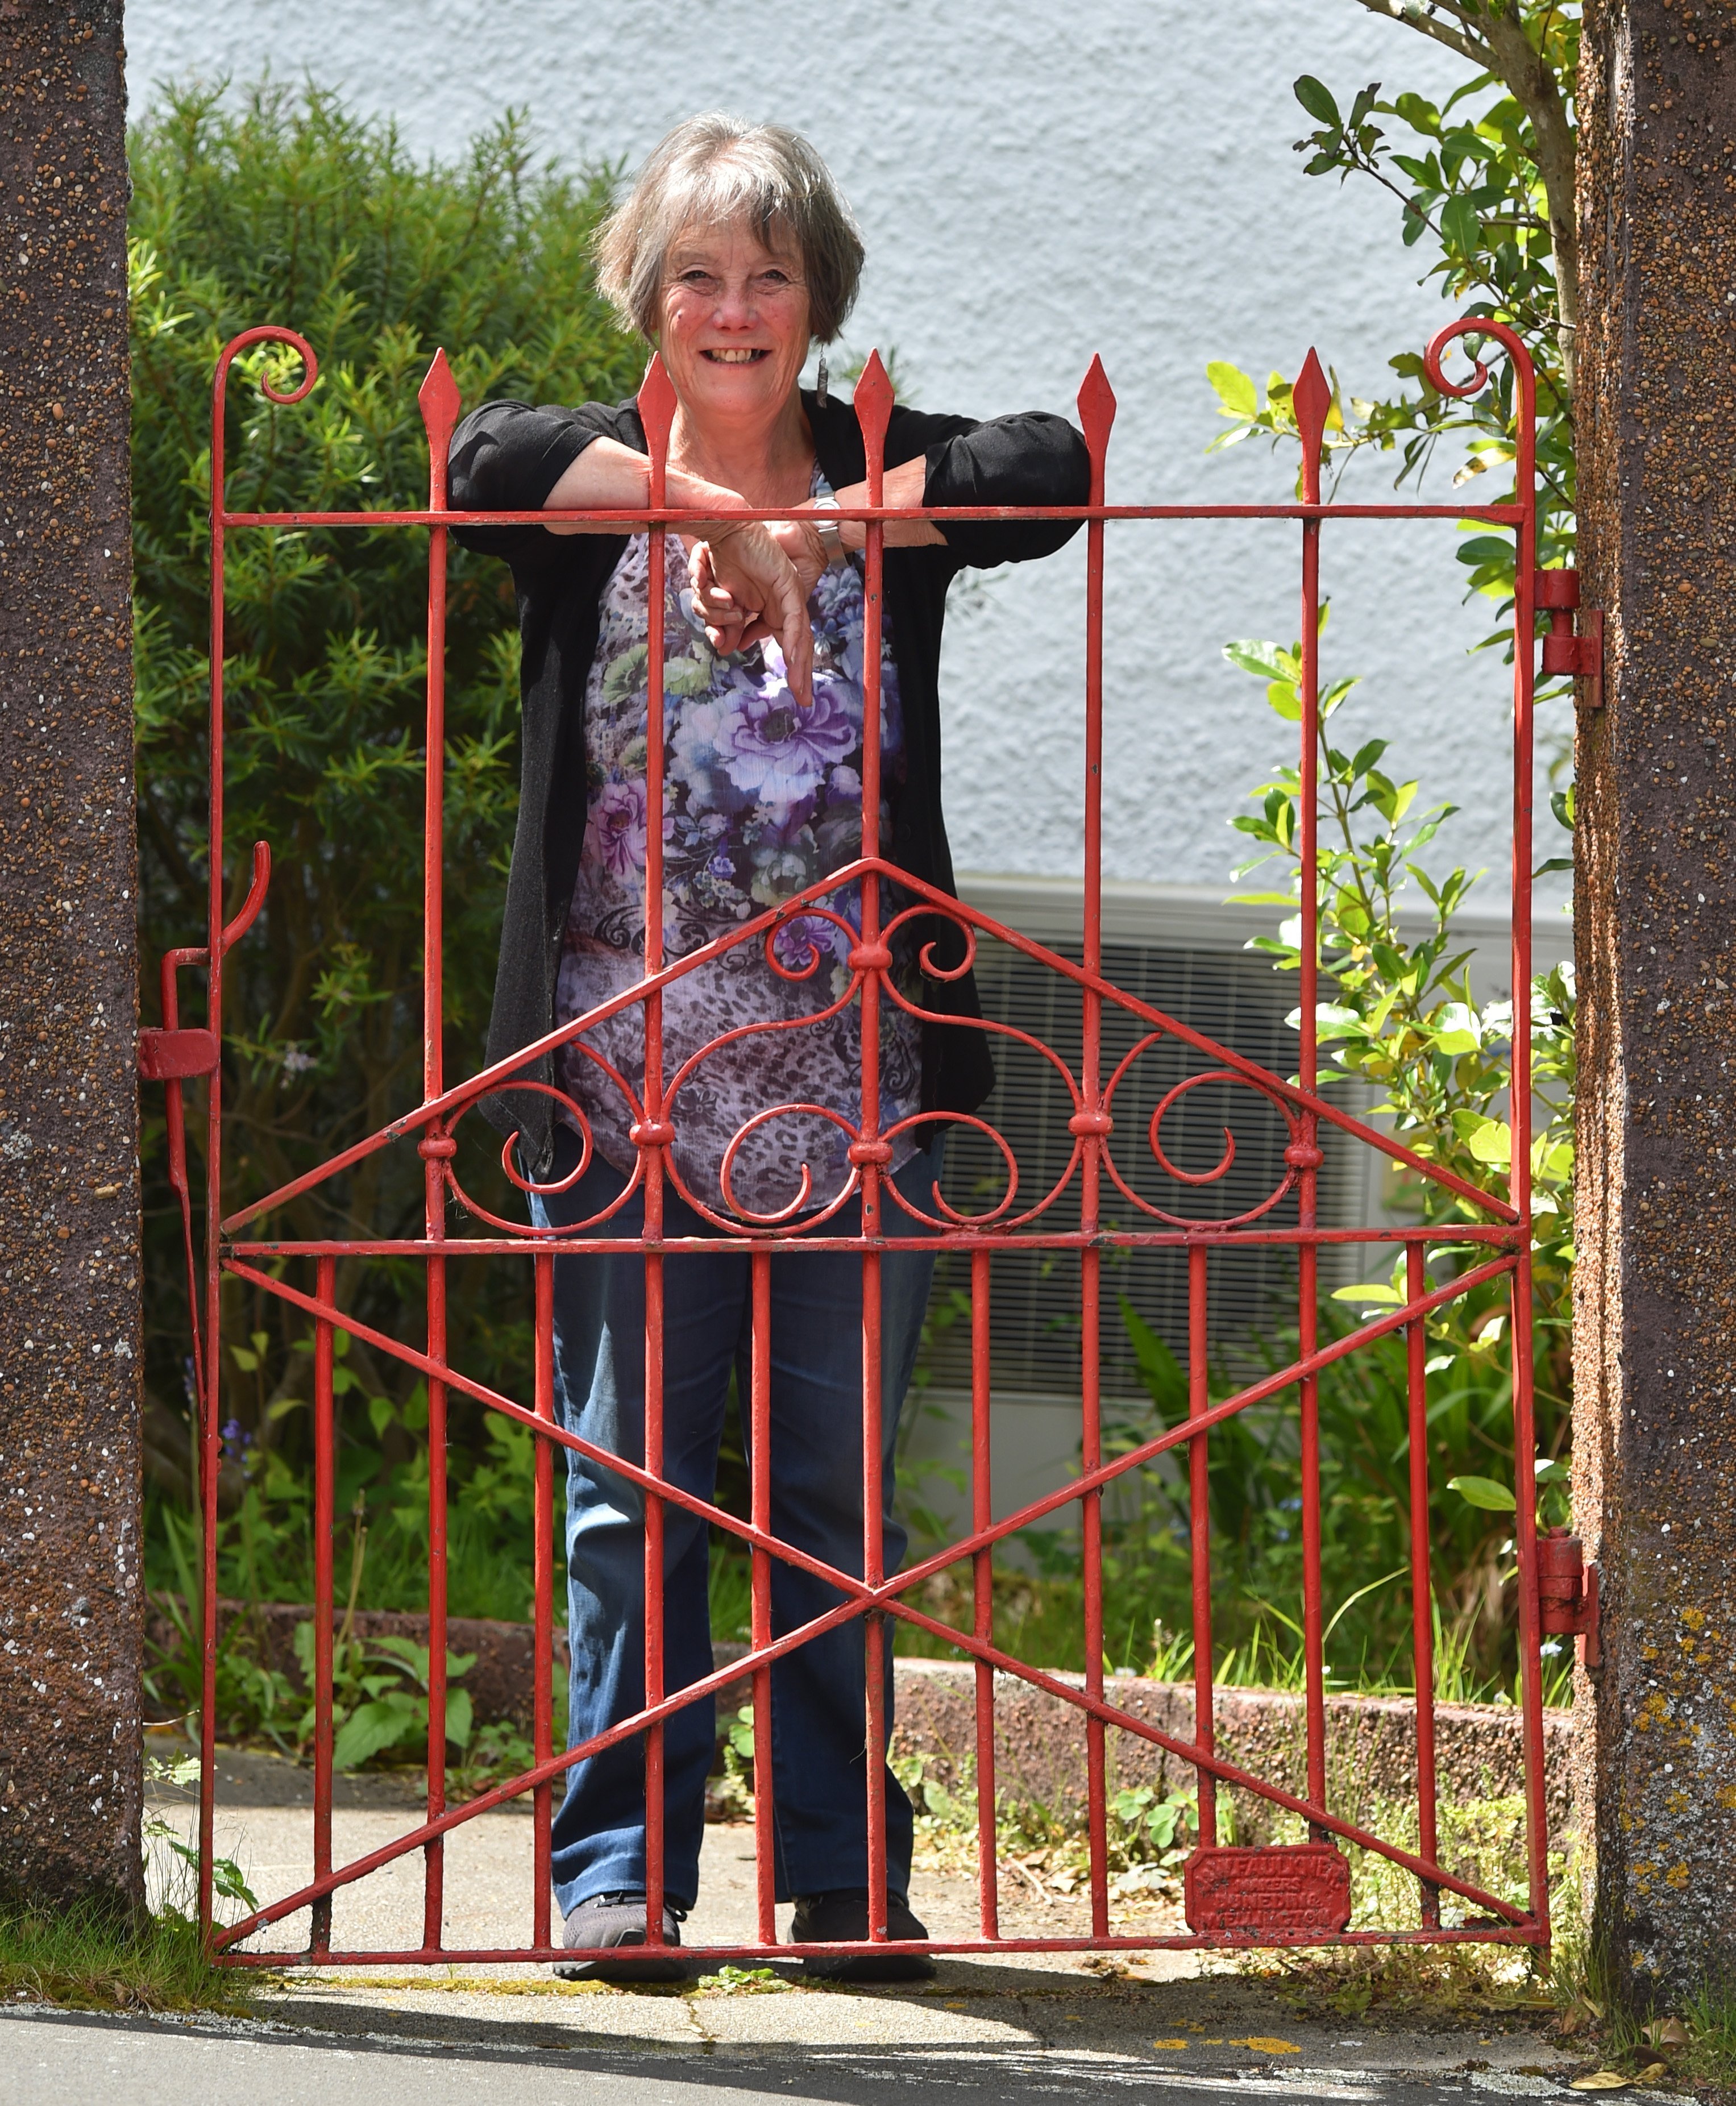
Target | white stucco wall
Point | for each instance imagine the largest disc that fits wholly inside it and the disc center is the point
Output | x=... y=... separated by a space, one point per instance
x=1036 y=182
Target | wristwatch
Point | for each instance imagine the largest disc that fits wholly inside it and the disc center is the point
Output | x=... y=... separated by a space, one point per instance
x=830 y=532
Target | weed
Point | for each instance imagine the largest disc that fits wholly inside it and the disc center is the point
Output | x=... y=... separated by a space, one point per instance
x=1148 y=1834
x=91 y=1959
x=495 y=1752
x=1695 y=2044
x=743 y=1981
x=734 y=1791
x=379 y=1696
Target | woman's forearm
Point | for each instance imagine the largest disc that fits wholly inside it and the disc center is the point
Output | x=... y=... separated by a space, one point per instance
x=608 y=477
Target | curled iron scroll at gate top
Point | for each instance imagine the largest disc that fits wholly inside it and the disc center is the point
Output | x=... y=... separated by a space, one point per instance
x=1297 y=1894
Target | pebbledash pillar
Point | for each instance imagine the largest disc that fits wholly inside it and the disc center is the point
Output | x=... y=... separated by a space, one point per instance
x=1655 y=1318
x=71 y=1587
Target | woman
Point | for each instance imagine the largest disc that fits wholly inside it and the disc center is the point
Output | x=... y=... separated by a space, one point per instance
x=733 y=254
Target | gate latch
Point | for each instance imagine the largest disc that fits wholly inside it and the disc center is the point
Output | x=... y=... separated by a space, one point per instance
x=1567 y=1592
x=176 y=1056
x=1567 y=656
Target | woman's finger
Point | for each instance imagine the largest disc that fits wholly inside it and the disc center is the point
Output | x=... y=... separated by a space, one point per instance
x=789 y=614
x=766 y=597
x=702 y=576
x=718 y=602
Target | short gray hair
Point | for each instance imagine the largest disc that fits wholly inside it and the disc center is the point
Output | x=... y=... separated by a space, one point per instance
x=719 y=171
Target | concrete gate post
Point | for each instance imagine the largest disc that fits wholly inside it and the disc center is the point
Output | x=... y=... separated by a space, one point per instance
x=71 y=1589
x=1655 y=1319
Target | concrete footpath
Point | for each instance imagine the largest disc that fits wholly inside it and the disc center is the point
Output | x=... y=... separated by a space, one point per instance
x=1145 y=2026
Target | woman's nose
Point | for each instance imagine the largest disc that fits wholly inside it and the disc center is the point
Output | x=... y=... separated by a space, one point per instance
x=735 y=308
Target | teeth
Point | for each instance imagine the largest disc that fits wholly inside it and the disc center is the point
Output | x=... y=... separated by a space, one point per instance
x=734 y=358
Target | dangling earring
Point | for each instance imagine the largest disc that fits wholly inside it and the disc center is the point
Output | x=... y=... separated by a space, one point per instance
x=819 y=386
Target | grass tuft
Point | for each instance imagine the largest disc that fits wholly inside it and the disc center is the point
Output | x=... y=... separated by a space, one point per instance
x=1432 y=1984
x=1690 y=2042
x=87 y=1958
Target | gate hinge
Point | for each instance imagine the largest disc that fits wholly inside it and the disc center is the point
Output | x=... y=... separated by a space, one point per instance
x=1567 y=1593
x=1567 y=656
x=173 y=1056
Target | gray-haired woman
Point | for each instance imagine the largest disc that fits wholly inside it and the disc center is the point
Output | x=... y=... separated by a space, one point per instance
x=732 y=253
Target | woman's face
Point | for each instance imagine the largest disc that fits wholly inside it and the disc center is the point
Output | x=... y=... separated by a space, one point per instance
x=735 y=323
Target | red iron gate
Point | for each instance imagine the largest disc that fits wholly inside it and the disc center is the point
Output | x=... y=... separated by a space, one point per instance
x=1293 y=1895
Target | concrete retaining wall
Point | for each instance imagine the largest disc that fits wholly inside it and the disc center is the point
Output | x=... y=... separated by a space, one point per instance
x=1040 y=1741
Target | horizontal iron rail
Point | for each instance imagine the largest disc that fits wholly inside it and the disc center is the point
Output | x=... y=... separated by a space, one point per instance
x=1010 y=1244
x=1493 y=515
x=1523 y=1933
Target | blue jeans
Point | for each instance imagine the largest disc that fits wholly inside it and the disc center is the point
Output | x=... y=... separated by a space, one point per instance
x=819 y=1779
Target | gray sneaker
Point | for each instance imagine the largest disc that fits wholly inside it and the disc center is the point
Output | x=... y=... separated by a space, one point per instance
x=618 y=1920
x=842 y=1916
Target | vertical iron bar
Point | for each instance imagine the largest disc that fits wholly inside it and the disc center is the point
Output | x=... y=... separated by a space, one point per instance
x=1200 y=1532
x=324 y=1435
x=1091 y=1454
x=657 y=409
x=436 y=1150
x=760 y=1629
x=434 y=1890
x=1091 y=1125
x=210 y=1456
x=210 y=1439
x=1422 y=1588
x=1307 y=1255
x=1519 y=1116
x=873 y=408
x=542 y=1707
x=982 y=1593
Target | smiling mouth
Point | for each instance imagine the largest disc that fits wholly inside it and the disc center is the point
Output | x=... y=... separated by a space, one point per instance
x=735 y=355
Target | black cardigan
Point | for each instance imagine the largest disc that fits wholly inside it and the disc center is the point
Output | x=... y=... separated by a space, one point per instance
x=507 y=457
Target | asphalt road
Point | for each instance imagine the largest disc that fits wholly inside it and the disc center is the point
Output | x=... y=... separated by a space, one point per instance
x=51 y=2057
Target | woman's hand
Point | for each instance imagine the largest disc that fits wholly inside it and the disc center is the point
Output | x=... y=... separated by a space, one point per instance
x=906 y=484
x=752 y=581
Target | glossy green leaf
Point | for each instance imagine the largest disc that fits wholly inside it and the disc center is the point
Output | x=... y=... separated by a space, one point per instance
x=1483 y=1492
x=1315 y=98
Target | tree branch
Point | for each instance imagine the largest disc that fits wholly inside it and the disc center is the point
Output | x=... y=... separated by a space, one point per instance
x=1497 y=44
x=1411 y=13
x=1531 y=80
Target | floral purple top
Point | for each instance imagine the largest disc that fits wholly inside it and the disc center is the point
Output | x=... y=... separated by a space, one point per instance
x=760 y=799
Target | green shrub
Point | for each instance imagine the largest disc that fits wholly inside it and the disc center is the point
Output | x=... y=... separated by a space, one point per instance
x=281 y=207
